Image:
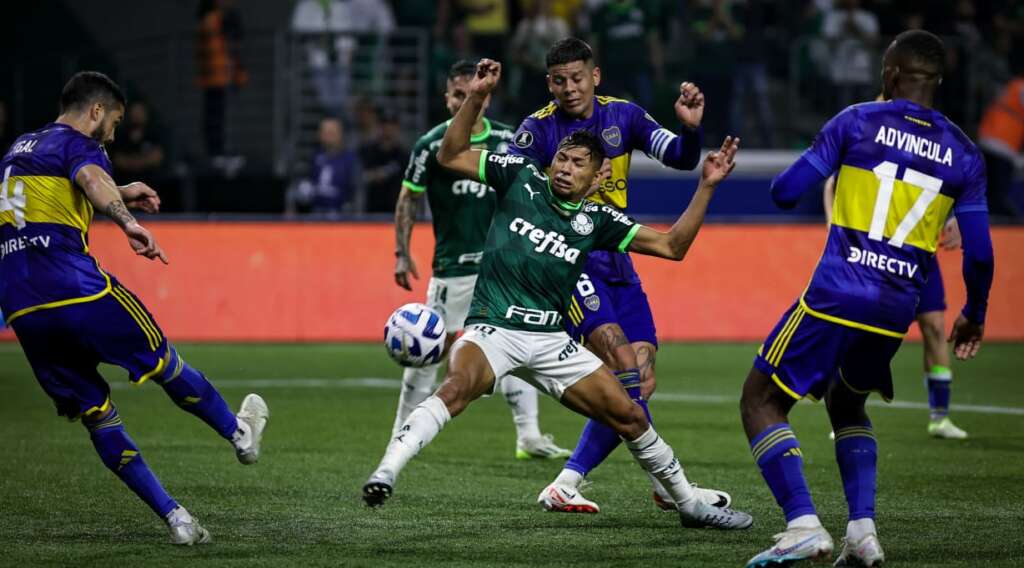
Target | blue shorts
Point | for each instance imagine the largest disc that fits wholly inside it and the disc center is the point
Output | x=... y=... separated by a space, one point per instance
x=64 y=346
x=596 y=302
x=933 y=295
x=805 y=354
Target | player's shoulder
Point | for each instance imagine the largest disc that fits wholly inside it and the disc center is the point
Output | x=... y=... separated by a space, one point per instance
x=545 y=113
x=436 y=133
x=957 y=134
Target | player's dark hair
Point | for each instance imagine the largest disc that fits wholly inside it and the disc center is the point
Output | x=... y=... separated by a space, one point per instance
x=584 y=139
x=568 y=50
x=87 y=87
x=462 y=68
x=921 y=50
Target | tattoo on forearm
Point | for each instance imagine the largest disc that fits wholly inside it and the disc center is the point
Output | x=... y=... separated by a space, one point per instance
x=613 y=338
x=117 y=211
x=405 y=216
x=645 y=357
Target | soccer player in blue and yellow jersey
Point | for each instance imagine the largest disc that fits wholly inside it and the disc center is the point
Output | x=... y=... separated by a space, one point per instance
x=69 y=315
x=608 y=309
x=902 y=167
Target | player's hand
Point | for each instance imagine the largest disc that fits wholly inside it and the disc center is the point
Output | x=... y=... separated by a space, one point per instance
x=137 y=195
x=720 y=163
x=404 y=266
x=950 y=235
x=966 y=338
x=143 y=242
x=488 y=71
x=690 y=105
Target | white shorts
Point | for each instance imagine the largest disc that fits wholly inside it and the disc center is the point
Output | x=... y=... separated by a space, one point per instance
x=451 y=298
x=550 y=361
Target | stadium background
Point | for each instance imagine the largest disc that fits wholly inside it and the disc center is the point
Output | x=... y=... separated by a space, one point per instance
x=236 y=92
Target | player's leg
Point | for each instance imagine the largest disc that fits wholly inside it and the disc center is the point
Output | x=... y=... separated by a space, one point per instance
x=472 y=366
x=938 y=376
x=865 y=367
x=132 y=340
x=66 y=369
x=581 y=383
x=418 y=383
x=796 y=360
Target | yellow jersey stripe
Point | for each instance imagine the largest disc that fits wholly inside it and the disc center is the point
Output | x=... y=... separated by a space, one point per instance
x=142 y=312
x=52 y=199
x=848 y=323
x=546 y=111
x=789 y=337
x=131 y=311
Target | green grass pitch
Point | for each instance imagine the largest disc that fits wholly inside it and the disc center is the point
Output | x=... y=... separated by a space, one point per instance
x=465 y=501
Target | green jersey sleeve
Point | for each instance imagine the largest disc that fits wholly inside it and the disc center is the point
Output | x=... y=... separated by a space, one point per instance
x=616 y=229
x=500 y=170
x=420 y=170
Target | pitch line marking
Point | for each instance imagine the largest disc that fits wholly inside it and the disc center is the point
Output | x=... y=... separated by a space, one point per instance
x=394 y=384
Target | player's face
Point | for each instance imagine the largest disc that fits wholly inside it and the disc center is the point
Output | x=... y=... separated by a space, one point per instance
x=457 y=92
x=106 y=122
x=572 y=173
x=572 y=84
x=330 y=134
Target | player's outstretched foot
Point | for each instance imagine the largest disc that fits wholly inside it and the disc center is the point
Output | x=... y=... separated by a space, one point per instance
x=701 y=515
x=945 y=429
x=793 y=545
x=185 y=529
x=541 y=447
x=565 y=499
x=252 y=420
x=713 y=497
x=378 y=489
x=865 y=552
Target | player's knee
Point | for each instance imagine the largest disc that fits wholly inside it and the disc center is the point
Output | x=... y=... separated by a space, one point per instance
x=185 y=385
x=756 y=397
x=627 y=419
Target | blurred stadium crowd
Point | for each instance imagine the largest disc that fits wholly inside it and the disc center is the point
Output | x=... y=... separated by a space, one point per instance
x=344 y=87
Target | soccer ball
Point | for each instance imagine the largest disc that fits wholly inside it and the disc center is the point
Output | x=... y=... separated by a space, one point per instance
x=414 y=336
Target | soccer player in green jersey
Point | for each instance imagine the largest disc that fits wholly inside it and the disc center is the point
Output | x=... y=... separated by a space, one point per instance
x=537 y=244
x=461 y=208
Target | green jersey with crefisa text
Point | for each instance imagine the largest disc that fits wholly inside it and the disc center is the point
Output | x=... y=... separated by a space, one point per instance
x=537 y=246
x=461 y=207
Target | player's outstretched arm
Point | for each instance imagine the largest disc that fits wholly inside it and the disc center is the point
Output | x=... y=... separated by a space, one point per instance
x=105 y=196
x=138 y=195
x=455 y=152
x=405 y=219
x=676 y=242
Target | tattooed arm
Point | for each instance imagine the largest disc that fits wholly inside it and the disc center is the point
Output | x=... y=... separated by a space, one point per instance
x=105 y=196
x=405 y=218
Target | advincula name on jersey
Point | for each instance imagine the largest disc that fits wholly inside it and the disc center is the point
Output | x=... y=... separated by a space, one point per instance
x=916 y=145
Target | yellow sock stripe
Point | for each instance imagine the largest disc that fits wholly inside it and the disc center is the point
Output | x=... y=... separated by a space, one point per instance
x=789 y=336
x=131 y=311
x=766 y=444
x=98 y=409
x=111 y=424
x=145 y=315
x=781 y=335
x=843 y=433
x=760 y=453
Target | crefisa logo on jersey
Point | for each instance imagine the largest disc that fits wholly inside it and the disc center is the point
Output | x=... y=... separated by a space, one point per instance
x=582 y=224
x=524 y=139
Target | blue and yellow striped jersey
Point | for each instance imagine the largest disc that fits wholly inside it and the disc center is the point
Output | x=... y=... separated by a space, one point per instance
x=902 y=169
x=44 y=222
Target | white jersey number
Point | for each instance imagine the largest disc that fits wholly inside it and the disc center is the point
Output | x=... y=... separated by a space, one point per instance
x=886 y=173
x=15 y=201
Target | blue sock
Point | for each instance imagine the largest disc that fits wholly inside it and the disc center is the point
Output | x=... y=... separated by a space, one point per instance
x=190 y=390
x=120 y=454
x=857 y=456
x=777 y=452
x=938 y=379
x=598 y=441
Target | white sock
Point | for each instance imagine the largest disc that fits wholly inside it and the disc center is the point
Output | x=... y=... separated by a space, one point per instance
x=522 y=399
x=178 y=516
x=856 y=530
x=242 y=438
x=417 y=385
x=569 y=477
x=656 y=457
x=657 y=488
x=804 y=522
x=419 y=429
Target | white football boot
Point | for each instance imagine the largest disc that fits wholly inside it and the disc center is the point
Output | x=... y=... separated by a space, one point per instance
x=701 y=515
x=565 y=499
x=865 y=552
x=795 y=544
x=185 y=529
x=713 y=497
x=541 y=447
x=945 y=429
x=378 y=488
x=252 y=420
